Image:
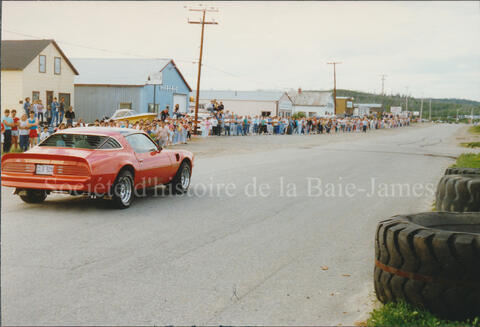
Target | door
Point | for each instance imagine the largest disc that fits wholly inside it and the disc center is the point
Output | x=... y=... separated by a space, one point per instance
x=49 y=98
x=153 y=165
x=67 y=99
x=181 y=100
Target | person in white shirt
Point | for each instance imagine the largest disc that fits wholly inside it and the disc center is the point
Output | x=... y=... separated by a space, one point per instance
x=44 y=134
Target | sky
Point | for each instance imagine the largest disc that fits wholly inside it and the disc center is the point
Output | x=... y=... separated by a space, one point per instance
x=426 y=49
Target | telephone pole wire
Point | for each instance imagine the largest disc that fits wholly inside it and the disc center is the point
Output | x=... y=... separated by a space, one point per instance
x=334 y=85
x=203 y=23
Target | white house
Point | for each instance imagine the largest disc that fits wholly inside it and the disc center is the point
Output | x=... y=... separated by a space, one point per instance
x=37 y=69
x=312 y=103
x=249 y=103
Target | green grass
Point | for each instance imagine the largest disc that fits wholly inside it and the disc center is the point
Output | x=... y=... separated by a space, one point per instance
x=474 y=129
x=471 y=145
x=404 y=314
x=468 y=160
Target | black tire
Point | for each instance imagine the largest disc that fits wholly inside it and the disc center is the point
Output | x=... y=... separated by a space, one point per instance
x=458 y=193
x=431 y=260
x=462 y=171
x=34 y=196
x=123 y=190
x=178 y=185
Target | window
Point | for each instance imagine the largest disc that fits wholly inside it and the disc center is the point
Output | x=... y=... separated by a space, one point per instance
x=42 y=64
x=125 y=105
x=141 y=143
x=57 y=65
x=74 y=141
x=35 y=95
x=111 y=144
x=266 y=113
x=151 y=109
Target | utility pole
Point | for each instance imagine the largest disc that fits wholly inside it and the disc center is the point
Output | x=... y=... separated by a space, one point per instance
x=406 y=99
x=430 y=114
x=421 y=109
x=334 y=85
x=203 y=23
x=383 y=90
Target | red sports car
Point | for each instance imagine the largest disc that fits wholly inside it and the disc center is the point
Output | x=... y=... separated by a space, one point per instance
x=105 y=162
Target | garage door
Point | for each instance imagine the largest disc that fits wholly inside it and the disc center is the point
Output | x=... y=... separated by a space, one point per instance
x=181 y=100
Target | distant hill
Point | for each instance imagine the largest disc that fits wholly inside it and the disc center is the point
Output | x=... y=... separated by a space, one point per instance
x=441 y=108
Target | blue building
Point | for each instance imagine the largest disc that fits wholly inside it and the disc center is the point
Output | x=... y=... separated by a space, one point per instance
x=144 y=85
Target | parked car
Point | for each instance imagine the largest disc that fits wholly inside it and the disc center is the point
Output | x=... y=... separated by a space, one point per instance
x=101 y=161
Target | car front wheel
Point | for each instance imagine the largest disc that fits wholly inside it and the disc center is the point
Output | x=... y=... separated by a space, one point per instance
x=181 y=182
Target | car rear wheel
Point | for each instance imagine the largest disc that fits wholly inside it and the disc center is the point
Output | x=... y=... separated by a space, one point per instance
x=123 y=190
x=33 y=196
x=181 y=182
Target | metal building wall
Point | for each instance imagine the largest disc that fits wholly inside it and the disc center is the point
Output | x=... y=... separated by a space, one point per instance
x=94 y=102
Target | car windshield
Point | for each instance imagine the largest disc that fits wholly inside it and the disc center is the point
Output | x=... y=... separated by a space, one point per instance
x=77 y=141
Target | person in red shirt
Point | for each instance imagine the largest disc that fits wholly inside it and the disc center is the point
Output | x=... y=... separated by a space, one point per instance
x=15 y=129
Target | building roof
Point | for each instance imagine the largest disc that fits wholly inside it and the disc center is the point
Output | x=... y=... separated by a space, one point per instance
x=17 y=54
x=241 y=95
x=113 y=71
x=311 y=98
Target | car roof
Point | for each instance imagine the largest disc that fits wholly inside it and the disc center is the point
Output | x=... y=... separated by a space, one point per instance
x=107 y=131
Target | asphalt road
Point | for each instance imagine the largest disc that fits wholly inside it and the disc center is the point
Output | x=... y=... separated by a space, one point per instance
x=224 y=254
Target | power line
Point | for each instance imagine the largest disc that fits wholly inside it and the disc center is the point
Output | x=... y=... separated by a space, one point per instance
x=122 y=53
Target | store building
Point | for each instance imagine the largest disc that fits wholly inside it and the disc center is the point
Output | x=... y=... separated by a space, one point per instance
x=143 y=85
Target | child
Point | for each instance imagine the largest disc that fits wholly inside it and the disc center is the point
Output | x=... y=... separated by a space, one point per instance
x=33 y=126
x=44 y=134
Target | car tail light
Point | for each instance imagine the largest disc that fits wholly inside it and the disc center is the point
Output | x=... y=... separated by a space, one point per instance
x=75 y=169
x=18 y=167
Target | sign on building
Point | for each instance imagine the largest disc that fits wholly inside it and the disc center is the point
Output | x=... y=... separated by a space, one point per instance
x=155 y=78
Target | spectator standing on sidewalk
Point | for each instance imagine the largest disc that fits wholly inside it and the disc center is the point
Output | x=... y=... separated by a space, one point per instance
x=164 y=115
x=27 y=106
x=23 y=132
x=15 y=129
x=55 y=106
x=48 y=115
x=70 y=115
x=7 y=122
x=61 y=109
x=33 y=129
x=40 y=110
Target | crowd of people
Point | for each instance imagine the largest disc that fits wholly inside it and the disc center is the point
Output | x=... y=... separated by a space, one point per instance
x=23 y=131
x=36 y=124
x=231 y=124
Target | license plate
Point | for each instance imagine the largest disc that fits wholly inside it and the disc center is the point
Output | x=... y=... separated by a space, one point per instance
x=44 y=170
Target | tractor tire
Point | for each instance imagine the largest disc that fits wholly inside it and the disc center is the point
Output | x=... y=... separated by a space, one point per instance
x=458 y=193
x=462 y=171
x=431 y=260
